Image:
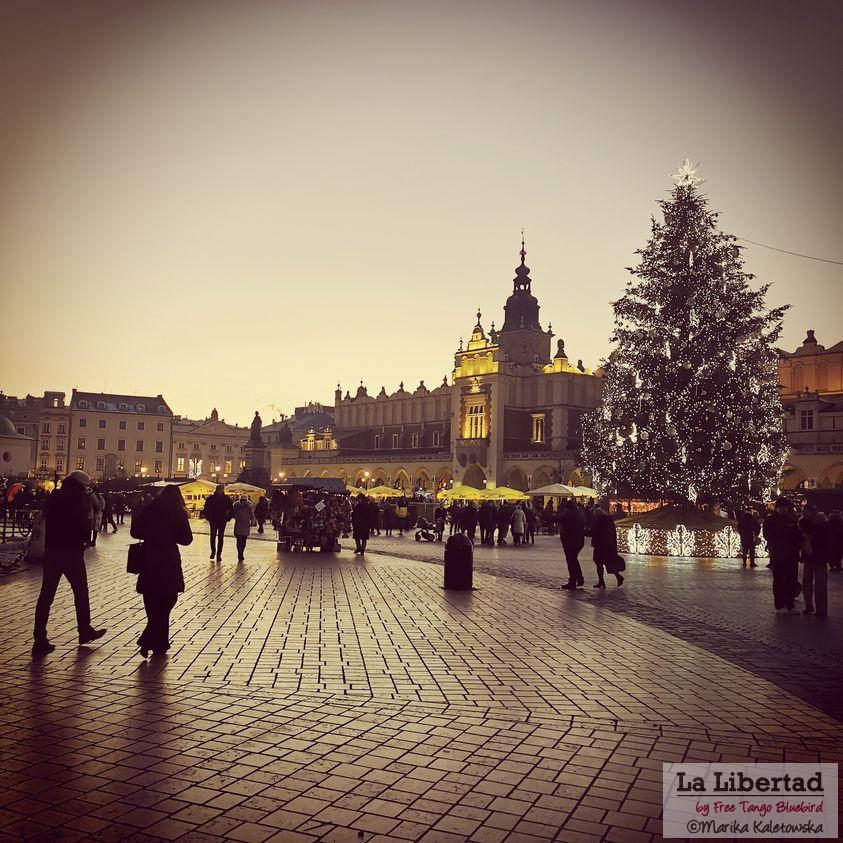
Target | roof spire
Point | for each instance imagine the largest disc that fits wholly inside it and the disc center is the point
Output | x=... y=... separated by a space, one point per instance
x=523 y=250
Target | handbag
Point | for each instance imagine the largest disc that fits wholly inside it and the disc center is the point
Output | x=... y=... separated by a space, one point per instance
x=135 y=558
x=617 y=566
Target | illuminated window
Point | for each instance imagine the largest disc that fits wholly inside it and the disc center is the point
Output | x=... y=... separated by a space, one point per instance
x=806 y=419
x=180 y=464
x=121 y=464
x=43 y=465
x=80 y=443
x=141 y=408
x=242 y=464
x=138 y=465
x=80 y=463
x=100 y=463
x=59 y=465
x=476 y=422
x=158 y=466
x=228 y=466
x=538 y=428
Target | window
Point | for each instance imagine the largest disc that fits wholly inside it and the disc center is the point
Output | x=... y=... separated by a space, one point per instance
x=100 y=405
x=228 y=466
x=83 y=405
x=60 y=445
x=138 y=465
x=83 y=422
x=195 y=446
x=377 y=441
x=162 y=408
x=242 y=464
x=100 y=444
x=180 y=464
x=80 y=463
x=100 y=463
x=45 y=428
x=122 y=407
x=415 y=440
x=102 y=424
x=213 y=447
x=62 y=428
x=59 y=465
x=475 y=427
x=538 y=428
x=80 y=443
x=159 y=447
x=158 y=466
x=21 y=430
x=121 y=444
x=139 y=445
x=436 y=438
x=141 y=408
x=159 y=426
x=141 y=425
x=121 y=464
x=43 y=464
x=806 y=419
x=122 y=424
x=181 y=446
x=228 y=449
x=45 y=444
x=394 y=440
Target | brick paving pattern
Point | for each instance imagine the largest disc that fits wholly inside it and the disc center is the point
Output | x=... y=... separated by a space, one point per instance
x=333 y=698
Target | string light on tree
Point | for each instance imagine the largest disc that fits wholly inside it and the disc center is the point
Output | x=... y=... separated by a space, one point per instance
x=693 y=367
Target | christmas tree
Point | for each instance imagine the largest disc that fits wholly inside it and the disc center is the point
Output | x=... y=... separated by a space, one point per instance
x=690 y=409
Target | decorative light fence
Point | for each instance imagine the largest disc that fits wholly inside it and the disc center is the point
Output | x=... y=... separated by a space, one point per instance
x=681 y=541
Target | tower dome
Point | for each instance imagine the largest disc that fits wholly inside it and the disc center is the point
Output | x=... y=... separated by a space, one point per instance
x=521 y=311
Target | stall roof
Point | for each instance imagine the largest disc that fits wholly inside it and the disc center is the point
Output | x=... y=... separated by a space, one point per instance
x=326 y=484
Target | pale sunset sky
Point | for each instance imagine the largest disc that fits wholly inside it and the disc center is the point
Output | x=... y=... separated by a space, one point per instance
x=239 y=204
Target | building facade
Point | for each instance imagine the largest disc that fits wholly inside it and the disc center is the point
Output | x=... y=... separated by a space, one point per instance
x=811 y=386
x=209 y=449
x=45 y=421
x=120 y=435
x=510 y=415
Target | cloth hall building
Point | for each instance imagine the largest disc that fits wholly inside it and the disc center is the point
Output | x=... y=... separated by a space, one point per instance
x=511 y=415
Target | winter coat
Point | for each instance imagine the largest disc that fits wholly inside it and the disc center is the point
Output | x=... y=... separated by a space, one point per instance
x=784 y=539
x=262 y=509
x=748 y=527
x=519 y=521
x=604 y=540
x=572 y=528
x=162 y=531
x=68 y=514
x=360 y=520
x=218 y=509
x=485 y=515
x=97 y=506
x=242 y=518
x=468 y=519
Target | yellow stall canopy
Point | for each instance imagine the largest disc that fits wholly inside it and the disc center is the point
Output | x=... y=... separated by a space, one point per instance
x=461 y=493
x=195 y=492
x=253 y=493
x=504 y=493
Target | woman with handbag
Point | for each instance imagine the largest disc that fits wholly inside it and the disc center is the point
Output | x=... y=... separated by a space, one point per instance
x=604 y=542
x=162 y=526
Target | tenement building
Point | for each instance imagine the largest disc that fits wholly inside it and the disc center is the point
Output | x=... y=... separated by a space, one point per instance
x=209 y=449
x=511 y=415
x=45 y=420
x=811 y=385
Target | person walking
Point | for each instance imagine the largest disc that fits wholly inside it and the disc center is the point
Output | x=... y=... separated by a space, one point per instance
x=97 y=508
x=484 y=520
x=784 y=540
x=518 y=521
x=532 y=518
x=815 y=569
x=261 y=512
x=162 y=525
x=440 y=514
x=374 y=517
x=572 y=535
x=604 y=541
x=469 y=521
x=402 y=513
x=218 y=512
x=504 y=514
x=108 y=513
x=67 y=534
x=835 y=539
x=360 y=523
x=120 y=508
x=243 y=518
x=748 y=530
x=389 y=517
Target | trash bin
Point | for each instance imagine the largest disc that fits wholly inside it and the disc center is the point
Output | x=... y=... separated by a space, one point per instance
x=459 y=563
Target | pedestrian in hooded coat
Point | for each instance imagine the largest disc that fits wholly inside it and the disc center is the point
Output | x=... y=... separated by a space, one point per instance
x=67 y=533
x=604 y=542
x=243 y=518
x=261 y=512
x=162 y=526
x=784 y=540
x=218 y=511
x=360 y=523
x=572 y=535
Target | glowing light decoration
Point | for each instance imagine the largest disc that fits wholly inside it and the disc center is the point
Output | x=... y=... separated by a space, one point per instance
x=680 y=541
x=723 y=544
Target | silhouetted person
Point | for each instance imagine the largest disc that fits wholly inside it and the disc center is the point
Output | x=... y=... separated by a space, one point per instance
x=162 y=525
x=261 y=512
x=815 y=569
x=469 y=521
x=518 y=522
x=243 y=517
x=361 y=521
x=484 y=520
x=402 y=513
x=748 y=530
x=107 y=516
x=784 y=540
x=572 y=535
x=604 y=542
x=374 y=517
x=218 y=512
x=68 y=533
x=120 y=508
x=835 y=539
x=503 y=516
x=97 y=508
x=532 y=517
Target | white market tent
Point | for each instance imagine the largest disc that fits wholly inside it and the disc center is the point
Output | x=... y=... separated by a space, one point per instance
x=585 y=492
x=554 y=490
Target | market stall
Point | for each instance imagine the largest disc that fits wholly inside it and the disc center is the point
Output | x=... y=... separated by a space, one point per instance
x=310 y=513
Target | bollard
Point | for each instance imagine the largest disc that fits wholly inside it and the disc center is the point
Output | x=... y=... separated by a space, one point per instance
x=459 y=563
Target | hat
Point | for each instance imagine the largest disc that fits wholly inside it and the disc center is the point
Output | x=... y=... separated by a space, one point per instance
x=79 y=477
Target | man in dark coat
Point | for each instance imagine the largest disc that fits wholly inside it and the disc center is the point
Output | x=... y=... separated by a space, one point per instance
x=504 y=514
x=484 y=520
x=748 y=530
x=604 y=541
x=469 y=521
x=374 y=517
x=68 y=529
x=261 y=512
x=361 y=520
x=219 y=510
x=784 y=540
x=572 y=534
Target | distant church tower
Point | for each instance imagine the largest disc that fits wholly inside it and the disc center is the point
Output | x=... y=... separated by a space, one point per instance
x=522 y=339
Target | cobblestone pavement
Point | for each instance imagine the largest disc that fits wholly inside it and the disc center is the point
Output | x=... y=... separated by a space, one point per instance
x=335 y=698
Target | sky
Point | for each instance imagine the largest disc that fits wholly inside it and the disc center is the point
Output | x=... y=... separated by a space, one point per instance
x=240 y=204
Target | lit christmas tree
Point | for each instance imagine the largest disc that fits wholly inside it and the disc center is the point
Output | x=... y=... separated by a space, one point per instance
x=690 y=408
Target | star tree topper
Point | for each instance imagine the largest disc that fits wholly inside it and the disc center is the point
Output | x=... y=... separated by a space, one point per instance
x=686 y=175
